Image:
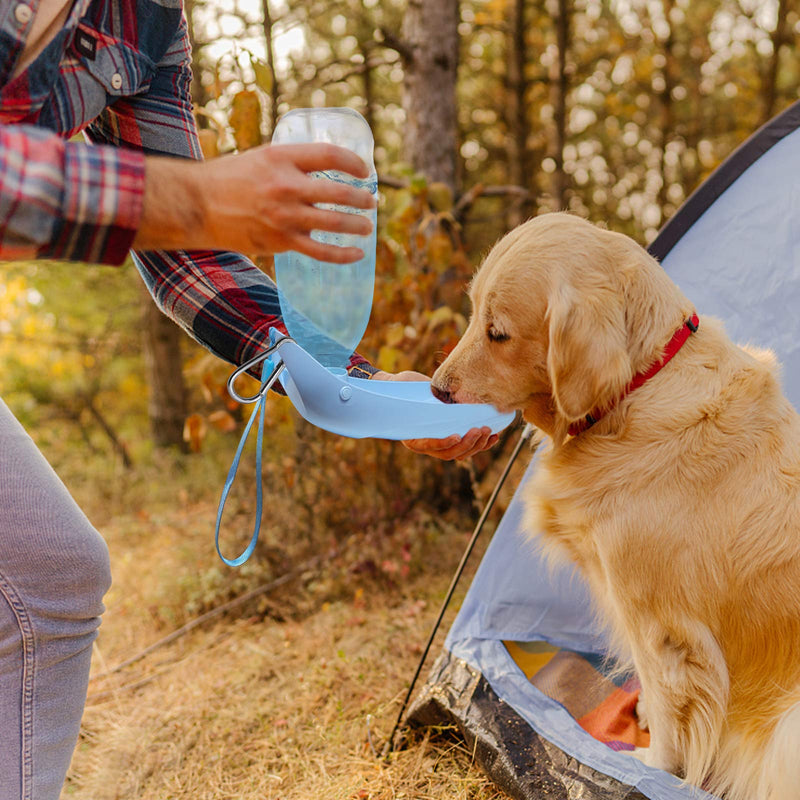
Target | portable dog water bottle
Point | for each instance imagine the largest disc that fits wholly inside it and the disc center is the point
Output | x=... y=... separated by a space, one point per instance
x=326 y=308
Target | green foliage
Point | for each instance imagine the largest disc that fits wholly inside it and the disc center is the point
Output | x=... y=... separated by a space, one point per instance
x=70 y=351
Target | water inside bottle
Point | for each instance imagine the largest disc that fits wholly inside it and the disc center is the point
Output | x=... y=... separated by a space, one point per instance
x=326 y=306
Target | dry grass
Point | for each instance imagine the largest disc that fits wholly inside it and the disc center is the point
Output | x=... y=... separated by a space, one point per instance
x=255 y=707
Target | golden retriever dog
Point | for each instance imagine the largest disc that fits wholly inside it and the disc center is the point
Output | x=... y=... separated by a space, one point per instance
x=680 y=504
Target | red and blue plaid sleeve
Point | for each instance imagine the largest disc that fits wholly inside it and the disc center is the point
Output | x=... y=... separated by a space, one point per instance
x=65 y=200
x=220 y=299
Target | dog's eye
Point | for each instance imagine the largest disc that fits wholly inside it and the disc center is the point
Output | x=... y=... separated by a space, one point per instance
x=495 y=335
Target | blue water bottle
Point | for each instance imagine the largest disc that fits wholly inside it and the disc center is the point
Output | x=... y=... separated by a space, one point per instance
x=326 y=307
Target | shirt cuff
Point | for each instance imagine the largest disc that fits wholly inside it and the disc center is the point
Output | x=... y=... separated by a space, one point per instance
x=362 y=370
x=101 y=206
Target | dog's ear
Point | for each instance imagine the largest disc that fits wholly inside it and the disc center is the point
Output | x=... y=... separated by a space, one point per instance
x=587 y=356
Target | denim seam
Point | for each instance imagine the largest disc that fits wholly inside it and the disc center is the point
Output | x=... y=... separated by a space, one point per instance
x=28 y=654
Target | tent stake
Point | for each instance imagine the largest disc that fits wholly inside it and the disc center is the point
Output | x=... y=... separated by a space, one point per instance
x=524 y=436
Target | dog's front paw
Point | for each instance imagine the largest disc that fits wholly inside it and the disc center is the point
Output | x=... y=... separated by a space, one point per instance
x=656 y=758
x=641 y=714
x=639 y=753
x=648 y=757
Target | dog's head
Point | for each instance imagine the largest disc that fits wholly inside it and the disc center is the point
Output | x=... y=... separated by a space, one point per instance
x=564 y=314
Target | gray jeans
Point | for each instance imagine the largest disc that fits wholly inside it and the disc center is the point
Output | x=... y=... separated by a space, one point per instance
x=54 y=572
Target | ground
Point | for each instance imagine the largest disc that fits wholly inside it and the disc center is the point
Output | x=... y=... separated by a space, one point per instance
x=278 y=699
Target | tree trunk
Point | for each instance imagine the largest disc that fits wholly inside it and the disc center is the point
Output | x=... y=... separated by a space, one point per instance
x=560 y=91
x=430 y=50
x=517 y=121
x=167 y=405
x=274 y=88
x=199 y=94
x=770 y=85
x=369 y=90
x=669 y=73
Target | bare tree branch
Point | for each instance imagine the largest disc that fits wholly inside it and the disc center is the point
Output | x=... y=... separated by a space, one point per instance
x=395 y=43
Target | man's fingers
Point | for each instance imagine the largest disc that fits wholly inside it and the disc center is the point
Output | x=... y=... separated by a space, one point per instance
x=454 y=448
x=484 y=443
x=329 y=253
x=334 y=221
x=318 y=157
x=323 y=190
x=405 y=375
x=448 y=454
x=473 y=442
x=433 y=446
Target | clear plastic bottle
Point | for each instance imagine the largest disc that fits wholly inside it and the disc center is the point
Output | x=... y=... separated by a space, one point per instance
x=326 y=307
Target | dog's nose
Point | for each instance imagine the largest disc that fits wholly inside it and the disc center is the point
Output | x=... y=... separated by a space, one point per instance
x=442 y=394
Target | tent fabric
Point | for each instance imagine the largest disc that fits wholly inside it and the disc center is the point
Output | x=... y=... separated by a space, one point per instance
x=533 y=767
x=734 y=249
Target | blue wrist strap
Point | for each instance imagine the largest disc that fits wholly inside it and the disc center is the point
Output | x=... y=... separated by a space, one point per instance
x=269 y=375
x=257 y=411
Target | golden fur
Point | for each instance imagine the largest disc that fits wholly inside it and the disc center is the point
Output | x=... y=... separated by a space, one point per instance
x=681 y=507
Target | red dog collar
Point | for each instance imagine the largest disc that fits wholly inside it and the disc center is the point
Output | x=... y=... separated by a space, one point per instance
x=674 y=344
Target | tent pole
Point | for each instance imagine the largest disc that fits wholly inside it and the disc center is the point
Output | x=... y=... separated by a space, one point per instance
x=524 y=436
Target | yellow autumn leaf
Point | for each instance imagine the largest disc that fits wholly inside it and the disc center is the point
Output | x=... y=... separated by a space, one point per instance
x=209 y=142
x=390 y=359
x=222 y=421
x=194 y=431
x=262 y=73
x=245 y=119
x=395 y=334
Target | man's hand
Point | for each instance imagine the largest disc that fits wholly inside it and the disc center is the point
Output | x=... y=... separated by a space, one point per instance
x=261 y=201
x=453 y=447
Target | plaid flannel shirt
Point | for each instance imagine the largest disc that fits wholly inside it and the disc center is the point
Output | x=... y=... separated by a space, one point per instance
x=119 y=71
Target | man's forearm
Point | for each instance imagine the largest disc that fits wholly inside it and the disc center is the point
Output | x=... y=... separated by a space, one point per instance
x=174 y=207
x=263 y=201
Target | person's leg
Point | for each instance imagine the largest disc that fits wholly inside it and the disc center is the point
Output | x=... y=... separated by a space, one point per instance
x=54 y=572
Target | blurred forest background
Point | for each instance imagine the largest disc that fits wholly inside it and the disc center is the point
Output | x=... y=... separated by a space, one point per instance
x=484 y=113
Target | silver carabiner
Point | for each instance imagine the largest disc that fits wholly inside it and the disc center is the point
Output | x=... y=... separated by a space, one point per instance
x=267 y=383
